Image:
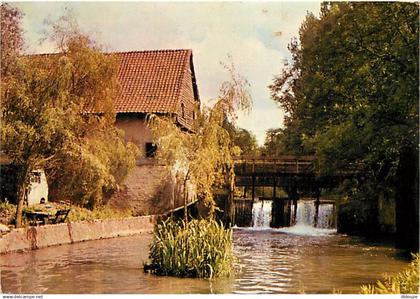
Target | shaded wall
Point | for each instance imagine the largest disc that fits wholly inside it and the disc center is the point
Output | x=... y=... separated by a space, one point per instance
x=136 y=131
x=149 y=188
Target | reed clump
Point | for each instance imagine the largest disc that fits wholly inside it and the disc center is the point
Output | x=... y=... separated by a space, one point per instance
x=199 y=248
x=405 y=282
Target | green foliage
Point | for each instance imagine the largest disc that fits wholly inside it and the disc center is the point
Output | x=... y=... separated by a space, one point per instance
x=242 y=138
x=57 y=114
x=405 y=282
x=351 y=98
x=11 y=37
x=101 y=212
x=78 y=213
x=284 y=142
x=199 y=248
x=103 y=162
x=351 y=93
x=7 y=212
x=203 y=157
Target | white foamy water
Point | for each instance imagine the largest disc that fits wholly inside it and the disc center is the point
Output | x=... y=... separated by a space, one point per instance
x=261 y=213
x=307 y=230
x=305 y=213
x=305 y=220
x=325 y=213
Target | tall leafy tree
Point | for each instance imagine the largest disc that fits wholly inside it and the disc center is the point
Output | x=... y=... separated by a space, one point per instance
x=242 y=138
x=284 y=141
x=11 y=37
x=57 y=114
x=352 y=94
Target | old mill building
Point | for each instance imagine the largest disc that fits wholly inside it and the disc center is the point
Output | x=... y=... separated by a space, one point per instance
x=162 y=82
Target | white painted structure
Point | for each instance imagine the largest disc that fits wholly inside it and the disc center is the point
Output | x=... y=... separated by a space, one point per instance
x=38 y=187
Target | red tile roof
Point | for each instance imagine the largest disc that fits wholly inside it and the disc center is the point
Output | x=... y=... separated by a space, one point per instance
x=152 y=81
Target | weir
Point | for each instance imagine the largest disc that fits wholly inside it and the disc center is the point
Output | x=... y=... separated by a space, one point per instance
x=266 y=213
x=307 y=215
x=295 y=178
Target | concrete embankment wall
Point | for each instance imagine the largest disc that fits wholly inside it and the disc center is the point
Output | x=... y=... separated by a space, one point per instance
x=66 y=233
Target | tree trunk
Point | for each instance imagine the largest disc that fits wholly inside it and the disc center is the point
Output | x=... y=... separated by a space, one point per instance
x=407 y=201
x=22 y=176
x=20 y=200
x=230 y=207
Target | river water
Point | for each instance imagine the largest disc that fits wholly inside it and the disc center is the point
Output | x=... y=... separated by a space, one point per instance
x=290 y=260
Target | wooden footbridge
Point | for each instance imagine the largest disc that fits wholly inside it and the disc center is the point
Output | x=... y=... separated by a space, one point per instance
x=298 y=176
x=287 y=172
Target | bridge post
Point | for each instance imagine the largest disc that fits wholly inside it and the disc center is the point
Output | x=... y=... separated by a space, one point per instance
x=316 y=207
x=295 y=197
x=253 y=187
x=274 y=188
x=295 y=210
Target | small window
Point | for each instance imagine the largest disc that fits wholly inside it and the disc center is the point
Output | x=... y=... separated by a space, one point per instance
x=36 y=177
x=150 y=149
x=182 y=110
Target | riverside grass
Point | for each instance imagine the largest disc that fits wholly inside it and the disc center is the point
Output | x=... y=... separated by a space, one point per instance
x=405 y=282
x=199 y=248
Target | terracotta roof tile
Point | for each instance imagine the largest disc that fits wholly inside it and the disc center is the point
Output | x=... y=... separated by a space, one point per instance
x=151 y=81
x=155 y=82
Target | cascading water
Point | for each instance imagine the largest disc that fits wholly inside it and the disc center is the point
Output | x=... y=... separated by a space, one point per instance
x=306 y=213
x=306 y=224
x=325 y=213
x=261 y=213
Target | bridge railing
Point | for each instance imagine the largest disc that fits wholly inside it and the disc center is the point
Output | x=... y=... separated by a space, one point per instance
x=283 y=164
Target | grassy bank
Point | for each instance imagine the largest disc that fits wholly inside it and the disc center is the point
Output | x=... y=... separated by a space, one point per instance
x=405 y=282
x=8 y=212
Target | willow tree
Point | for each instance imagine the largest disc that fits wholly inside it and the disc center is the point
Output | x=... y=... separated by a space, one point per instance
x=11 y=37
x=57 y=114
x=203 y=156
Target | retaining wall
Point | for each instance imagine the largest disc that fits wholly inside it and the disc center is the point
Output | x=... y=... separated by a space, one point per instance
x=66 y=233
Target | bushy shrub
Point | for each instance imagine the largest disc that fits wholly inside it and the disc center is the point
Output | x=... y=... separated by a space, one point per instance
x=405 y=282
x=199 y=248
x=7 y=212
x=81 y=214
x=102 y=212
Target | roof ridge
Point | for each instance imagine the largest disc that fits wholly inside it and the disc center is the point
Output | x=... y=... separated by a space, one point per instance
x=149 y=51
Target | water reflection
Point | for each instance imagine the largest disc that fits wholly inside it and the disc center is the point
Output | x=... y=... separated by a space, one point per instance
x=276 y=262
x=271 y=261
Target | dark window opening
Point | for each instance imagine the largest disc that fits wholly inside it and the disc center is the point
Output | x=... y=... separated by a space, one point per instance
x=150 y=149
x=35 y=177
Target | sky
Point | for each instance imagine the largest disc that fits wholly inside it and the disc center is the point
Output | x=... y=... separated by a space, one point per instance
x=254 y=34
